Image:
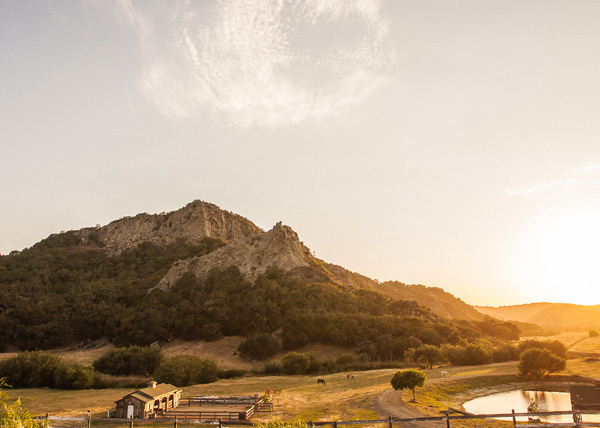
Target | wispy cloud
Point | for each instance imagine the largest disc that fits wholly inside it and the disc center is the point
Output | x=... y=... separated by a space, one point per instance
x=259 y=62
x=581 y=180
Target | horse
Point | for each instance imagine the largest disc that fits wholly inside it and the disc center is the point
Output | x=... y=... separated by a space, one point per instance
x=444 y=373
x=321 y=381
x=350 y=376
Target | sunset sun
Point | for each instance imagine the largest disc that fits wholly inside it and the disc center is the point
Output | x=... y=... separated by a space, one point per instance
x=559 y=256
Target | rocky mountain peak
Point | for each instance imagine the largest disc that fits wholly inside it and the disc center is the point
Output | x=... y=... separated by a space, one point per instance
x=192 y=223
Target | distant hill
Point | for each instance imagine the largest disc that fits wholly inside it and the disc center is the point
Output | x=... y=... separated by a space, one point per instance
x=555 y=316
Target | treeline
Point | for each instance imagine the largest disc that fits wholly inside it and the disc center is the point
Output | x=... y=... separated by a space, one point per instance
x=35 y=369
x=56 y=293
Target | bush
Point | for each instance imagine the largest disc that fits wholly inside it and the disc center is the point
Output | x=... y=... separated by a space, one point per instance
x=535 y=363
x=34 y=369
x=476 y=355
x=13 y=415
x=554 y=346
x=30 y=369
x=426 y=356
x=272 y=368
x=260 y=346
x=295 y=363
x=184 y=370
x=74 y=376
x=594 y=333
x=345 y=360
x=454 y=354
x=231 y=373
x=133 y=360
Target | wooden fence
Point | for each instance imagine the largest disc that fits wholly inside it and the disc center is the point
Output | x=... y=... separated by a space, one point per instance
x=390 y=422
x=255 y=406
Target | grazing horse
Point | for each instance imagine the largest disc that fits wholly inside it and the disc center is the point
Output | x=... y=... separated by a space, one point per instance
x=444 y=373
x=350 y=376
x=321 y=381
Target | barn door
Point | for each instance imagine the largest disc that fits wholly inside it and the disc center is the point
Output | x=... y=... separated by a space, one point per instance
x=130 y=408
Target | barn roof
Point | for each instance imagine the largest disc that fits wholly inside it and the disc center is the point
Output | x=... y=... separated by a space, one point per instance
x=149 y=394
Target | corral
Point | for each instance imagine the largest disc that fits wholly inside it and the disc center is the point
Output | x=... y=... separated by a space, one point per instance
x=211 y=408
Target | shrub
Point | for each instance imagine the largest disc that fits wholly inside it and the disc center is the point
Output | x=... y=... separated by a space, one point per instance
x=133 y=360
x=426 y=356
x=272 y=368
x=535 y=363
x=13 y=415
x=476 y=355
x=230 y=373
x=74 y=376
x=295 y=363
x=30 y=369
x=454 y=354
x=554 y=346
x=184 y=370
x=260 y=346
x=505 y=353
x=594 y=333
x=345 y=360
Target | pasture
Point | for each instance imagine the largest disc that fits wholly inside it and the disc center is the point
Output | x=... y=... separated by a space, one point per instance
x=293 y=396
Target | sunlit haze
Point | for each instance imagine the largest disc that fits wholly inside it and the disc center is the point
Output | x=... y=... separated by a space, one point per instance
x=451 y=144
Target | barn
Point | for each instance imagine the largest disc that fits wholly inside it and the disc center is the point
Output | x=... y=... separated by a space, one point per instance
x=148 y=402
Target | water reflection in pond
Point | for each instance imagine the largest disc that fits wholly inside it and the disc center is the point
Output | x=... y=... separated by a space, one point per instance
x=520 y=400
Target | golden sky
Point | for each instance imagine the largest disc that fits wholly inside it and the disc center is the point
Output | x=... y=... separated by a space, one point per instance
x=447 y=143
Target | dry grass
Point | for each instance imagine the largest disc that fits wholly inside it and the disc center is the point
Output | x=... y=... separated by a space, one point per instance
x=300 y=396
x=294 y=396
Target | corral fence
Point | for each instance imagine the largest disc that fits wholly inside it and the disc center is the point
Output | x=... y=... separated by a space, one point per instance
x=447 y=418
x=254 y=406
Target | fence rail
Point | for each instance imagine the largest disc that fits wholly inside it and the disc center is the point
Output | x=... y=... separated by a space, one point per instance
x=390 y=421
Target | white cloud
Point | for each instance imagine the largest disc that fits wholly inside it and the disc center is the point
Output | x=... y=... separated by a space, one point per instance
x=582 y=180
x=259 y=62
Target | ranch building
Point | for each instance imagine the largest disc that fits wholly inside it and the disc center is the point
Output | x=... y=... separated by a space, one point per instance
x=148 y=402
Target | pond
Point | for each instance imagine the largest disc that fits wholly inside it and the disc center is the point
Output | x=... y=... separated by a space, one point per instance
x=519 y=400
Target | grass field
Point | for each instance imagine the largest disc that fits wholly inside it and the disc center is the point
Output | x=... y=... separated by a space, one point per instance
x=294 y=396
x=342 y=399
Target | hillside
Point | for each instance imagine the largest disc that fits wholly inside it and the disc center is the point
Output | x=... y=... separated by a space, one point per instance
x=281 y=247
x=201 y=273
x=554 y=316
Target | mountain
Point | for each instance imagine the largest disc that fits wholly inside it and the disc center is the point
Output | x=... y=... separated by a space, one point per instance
x=200 y=273
x=555 y=316
x=192 y=223
x=281 y=247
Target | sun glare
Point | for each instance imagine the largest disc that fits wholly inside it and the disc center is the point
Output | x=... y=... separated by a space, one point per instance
x=557 y=258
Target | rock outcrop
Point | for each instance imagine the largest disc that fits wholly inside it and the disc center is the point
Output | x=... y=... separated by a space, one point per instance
x=253 y=256
x=192 y=223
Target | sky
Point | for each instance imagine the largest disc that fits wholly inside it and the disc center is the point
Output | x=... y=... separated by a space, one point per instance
x=447 y=143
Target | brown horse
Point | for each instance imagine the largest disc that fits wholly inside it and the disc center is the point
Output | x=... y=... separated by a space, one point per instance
x=321 y=382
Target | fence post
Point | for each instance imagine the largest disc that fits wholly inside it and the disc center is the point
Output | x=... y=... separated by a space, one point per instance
x=447 y=420
x=89 y=419
x=220 y=425
x=514 y=418
x=335 y=424
x=131 y=423
x=175 y=423
x=389 y=422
